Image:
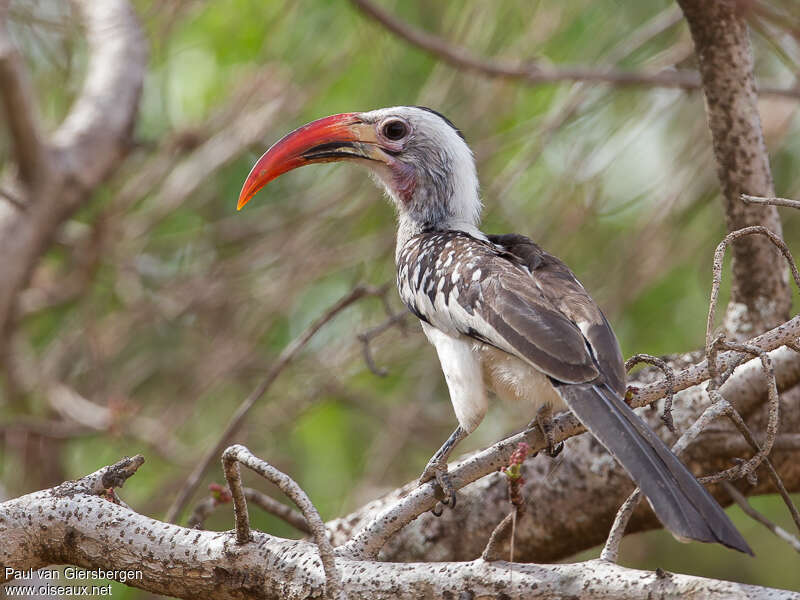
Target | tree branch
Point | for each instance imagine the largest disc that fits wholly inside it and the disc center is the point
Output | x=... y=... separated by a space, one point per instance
x=773 y=201
x=74 y=526
x=96 y=133
x=87 y=146
x=205 y=507
x=19 y=105
x=536 y=73
x=739 y=498
x=236 y=455
x=760 y=297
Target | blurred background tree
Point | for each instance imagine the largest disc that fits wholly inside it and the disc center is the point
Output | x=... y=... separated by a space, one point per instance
x=158 y=308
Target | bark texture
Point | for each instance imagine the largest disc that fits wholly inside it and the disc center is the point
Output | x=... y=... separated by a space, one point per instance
x=71 y=524
x=760 y=296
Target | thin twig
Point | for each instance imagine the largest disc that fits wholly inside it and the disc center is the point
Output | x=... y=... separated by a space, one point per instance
x=748 y=467
x=718 y=408
x=20 y=107
x=739 y=498
x=669 y=377
x=783 y=492
x=233 y=475
x=500 y=534
x=13 y=200
x=610 y=550
x=735 y=446
x=773 y=474
x=278 y=509
x=235 y=422
x=770 y=201
x=742 y=469
x=698 y=373
x=719 y=256
x=367 y=336
x=202 y=511
x=536 y=73
x=235 y=455
x=207 y=506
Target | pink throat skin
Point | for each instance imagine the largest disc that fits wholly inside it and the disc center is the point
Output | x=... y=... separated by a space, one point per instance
x=404 y=178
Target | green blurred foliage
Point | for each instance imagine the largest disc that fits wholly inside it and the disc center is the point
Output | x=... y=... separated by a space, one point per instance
x=186 y=310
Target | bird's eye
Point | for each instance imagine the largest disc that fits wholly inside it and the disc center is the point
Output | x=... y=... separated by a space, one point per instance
x=395 y=130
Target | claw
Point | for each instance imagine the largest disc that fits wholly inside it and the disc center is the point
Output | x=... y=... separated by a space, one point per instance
x=453 y=497
x=437 y=469
x=438 y=472
x=552 y=452
x=545 y=423
x=443 y=479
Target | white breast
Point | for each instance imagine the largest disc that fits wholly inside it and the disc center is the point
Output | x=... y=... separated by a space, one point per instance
x=470 y=366
x=464 y=376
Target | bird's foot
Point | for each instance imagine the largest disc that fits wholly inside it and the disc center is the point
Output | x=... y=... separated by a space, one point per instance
x=553 y=451
x=438 y=471
x=544 y=421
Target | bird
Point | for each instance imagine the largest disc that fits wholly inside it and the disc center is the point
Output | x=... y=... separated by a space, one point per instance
x=502 y=313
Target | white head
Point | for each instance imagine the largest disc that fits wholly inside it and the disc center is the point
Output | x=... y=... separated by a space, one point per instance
x=417 y=154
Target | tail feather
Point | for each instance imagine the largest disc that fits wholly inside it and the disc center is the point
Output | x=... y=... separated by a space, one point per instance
x=683 y=505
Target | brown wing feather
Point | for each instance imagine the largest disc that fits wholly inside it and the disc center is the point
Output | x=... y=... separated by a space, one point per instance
x=560 y=286
x=526 y=320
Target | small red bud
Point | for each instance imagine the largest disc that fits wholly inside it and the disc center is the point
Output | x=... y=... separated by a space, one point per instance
x=220 y=494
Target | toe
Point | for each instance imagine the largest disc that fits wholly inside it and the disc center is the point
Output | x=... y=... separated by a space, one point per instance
x=554 y=451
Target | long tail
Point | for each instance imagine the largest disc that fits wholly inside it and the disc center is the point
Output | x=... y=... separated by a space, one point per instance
x=683 y=505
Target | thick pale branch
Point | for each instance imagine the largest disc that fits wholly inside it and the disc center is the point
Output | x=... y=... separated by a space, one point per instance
x=85 y=148
x=85 y=530
x=96 y=132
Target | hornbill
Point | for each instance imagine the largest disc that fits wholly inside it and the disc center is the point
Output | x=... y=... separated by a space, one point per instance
x=500 y=310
